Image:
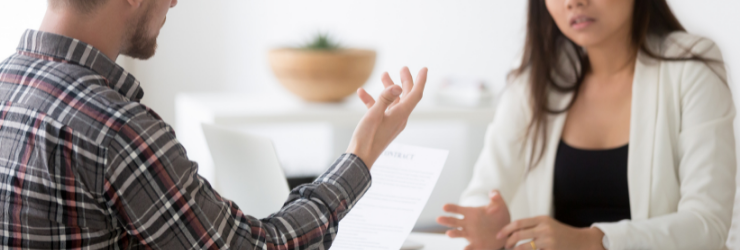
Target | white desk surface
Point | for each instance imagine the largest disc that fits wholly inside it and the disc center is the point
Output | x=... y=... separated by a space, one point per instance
x=438 y=241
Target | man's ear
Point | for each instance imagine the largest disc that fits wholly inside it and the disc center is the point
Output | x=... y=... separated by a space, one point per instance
x=135 y=3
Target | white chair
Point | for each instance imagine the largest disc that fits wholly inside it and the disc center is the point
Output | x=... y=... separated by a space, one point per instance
x=247 y=170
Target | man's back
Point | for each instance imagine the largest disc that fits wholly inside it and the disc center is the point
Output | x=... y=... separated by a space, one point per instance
x=57 y=118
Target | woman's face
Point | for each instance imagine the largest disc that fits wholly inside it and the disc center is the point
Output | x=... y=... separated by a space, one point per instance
x=591 y=22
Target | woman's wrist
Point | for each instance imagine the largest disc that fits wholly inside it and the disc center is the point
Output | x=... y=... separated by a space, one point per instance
x=594 y=238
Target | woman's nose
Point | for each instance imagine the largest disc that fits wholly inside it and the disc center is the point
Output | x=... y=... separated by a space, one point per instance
x=571 y=4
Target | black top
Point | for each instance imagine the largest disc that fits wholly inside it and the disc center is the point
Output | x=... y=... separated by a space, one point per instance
x=590 y=185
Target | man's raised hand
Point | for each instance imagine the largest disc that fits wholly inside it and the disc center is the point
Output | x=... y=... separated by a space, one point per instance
x=387 y=116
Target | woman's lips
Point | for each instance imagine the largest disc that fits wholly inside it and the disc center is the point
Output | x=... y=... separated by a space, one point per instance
x=581 y=22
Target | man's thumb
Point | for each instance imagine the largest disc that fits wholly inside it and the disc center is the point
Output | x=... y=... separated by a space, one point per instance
x=387 y=97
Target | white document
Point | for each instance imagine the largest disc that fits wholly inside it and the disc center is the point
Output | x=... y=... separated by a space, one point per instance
x=403 y=178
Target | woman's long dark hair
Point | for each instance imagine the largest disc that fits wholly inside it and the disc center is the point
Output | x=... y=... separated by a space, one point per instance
x=543 y=59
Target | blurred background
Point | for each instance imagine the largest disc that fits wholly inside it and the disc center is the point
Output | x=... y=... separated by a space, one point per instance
x=211 y=52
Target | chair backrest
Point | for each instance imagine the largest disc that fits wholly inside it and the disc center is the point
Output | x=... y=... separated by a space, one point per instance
x=247 y=170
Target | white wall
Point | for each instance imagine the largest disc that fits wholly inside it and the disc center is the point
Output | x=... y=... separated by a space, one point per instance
x=15 y=17
x=223 y=44
x=718 y=20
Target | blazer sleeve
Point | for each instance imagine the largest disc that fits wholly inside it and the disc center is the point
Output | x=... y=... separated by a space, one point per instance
x=501 y=164
x=706 y=170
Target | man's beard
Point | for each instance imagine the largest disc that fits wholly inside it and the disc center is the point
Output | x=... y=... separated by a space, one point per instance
x=139 y=44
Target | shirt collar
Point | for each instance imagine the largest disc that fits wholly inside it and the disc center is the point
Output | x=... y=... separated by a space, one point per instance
x=74 y=51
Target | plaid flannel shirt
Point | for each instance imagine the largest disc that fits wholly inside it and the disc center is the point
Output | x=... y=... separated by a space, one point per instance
x=84 y=165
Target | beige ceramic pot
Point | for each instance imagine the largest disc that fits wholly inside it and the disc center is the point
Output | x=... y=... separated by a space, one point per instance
x=322 y=76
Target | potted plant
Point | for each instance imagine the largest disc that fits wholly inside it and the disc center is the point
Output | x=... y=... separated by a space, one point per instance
x=322 y=71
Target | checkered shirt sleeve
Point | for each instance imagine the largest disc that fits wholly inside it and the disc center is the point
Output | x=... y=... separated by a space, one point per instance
x=154 y=191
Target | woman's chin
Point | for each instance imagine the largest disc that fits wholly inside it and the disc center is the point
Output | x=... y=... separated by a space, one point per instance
x=585 y=40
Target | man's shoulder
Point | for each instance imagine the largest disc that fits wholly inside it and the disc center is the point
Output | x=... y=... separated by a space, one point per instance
x=47 y=68
x=74 y=95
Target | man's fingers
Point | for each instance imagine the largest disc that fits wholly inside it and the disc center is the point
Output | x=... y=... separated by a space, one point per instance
x=396 y=101
x=366 y=98
x=454 y=233
x=387 y=82
x=414 y=96
x=449 y=221
x=406 y=81
x=421 y=81
x=386 y=79
x=516 y=226
x=421 y=77
x=388 y=96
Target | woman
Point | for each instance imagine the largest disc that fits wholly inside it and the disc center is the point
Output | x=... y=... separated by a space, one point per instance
x=615 y=133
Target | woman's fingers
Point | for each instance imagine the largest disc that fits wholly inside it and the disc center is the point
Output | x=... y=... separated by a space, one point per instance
x=518 y=236
x=518 y=225
x=452 y=208
x=496 y=202
x=495 y=197
x=450 y=221
x=454 y=233
x=526 y=246
x=366 y=98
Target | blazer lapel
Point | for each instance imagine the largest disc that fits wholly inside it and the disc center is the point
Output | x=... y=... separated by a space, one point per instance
x=540 y=185
x=642 y=135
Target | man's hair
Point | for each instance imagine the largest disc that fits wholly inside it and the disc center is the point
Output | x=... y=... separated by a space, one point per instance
x=82 y=6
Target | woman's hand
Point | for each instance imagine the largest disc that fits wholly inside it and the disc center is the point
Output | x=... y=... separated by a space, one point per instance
x=548 y=233
x=479 y=224
x=387 y=117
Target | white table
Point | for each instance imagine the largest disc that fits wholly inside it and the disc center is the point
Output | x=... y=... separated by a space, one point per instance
x=438 y=241
x=464 y=138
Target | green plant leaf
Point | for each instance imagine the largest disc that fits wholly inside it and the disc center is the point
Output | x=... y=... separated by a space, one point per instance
x=322 y=41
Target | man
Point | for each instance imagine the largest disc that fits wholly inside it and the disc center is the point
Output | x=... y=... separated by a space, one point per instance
x=85 y=165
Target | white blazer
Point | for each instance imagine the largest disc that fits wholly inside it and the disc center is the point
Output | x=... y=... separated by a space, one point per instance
x=681 y=167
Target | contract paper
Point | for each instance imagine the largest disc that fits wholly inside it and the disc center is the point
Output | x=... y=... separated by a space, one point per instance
x=403 y=178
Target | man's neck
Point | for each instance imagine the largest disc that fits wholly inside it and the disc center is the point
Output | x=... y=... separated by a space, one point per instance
x=102 y=33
